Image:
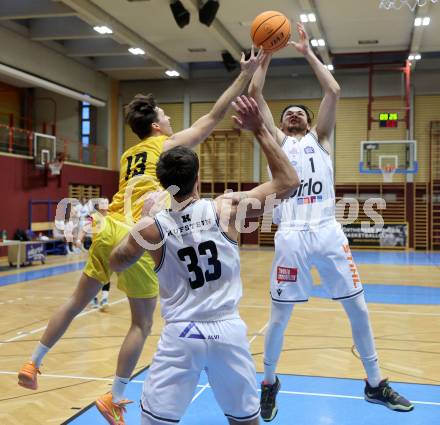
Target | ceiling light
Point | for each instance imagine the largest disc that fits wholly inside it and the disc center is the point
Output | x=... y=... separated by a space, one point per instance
x=312 y=17
x=136 y=51
x=103 y=29
x=330 y=67
x=426 y=21
x=417 y=22
x=418 y=56
x=321 y=42
x=411 y=57
x=172 y=73
x=314 y=42
x=304 y=18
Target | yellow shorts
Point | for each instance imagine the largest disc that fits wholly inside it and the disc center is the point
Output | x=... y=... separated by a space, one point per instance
x=138 y=281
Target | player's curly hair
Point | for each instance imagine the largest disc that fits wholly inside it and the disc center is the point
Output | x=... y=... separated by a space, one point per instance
x=179 y=167
x=140 y=113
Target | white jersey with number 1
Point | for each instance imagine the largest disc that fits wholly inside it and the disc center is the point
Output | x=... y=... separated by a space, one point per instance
x=313 y=203
x=199 y=274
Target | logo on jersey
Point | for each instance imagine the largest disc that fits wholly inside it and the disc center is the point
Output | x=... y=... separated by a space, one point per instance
x=186 y=218
x=309 y=149
x=309 y=199
x=192 y=331
x=308 y=191
x=286 y=274
x=279 y=292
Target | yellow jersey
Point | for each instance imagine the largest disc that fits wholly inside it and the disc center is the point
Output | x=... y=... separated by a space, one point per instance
x=137 y=177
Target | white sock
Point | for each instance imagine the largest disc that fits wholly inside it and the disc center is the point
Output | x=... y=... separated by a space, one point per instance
x=38 y=354
x=118 y=388
x=104 y=298
x=357 y=312
x=273 y=341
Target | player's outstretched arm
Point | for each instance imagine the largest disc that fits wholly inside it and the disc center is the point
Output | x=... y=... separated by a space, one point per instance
x=255 y=90
x=284 y=178
x=326 y=120
x=204 y=126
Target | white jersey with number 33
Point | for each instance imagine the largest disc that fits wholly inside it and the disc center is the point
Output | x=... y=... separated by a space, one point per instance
x=313 y=203
x=199 y=273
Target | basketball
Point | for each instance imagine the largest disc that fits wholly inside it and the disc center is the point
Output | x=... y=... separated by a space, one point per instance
x=271 y=30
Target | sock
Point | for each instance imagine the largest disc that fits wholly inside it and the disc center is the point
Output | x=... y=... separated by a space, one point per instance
x=273 y=341
x=357 y=312
x=104 y=298
x=118 y=388
x=38 y=354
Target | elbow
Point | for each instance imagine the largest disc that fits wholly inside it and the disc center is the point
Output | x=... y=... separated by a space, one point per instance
x=289 y=184
x=334 y=90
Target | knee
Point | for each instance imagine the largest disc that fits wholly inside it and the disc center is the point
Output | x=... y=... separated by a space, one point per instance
x=144 y=326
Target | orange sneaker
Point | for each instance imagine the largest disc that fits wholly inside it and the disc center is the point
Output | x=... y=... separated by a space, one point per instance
x=112 y=412
x=27 y=377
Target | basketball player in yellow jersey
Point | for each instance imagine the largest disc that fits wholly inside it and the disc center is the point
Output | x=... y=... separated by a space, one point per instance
x=139 y=282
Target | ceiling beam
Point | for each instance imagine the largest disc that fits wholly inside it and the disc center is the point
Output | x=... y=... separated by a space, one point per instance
x=61 y=29
x=94 y=15
x=30 y=9
x=106 y=63
x=95 y=47
x=219 y=31
x=315 y=30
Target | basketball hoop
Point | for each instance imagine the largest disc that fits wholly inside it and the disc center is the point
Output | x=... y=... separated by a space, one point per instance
x=398 y=4
x=388 y=173
x=55 y=168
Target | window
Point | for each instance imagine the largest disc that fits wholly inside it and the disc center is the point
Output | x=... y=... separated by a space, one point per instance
x=87 y=123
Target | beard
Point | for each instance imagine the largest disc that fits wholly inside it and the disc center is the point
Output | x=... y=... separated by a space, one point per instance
x=296 y=127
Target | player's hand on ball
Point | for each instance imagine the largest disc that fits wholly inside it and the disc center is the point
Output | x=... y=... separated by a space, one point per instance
x=249 y=115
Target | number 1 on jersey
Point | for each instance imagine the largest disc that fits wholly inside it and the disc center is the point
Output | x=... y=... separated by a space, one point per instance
x=312 y=164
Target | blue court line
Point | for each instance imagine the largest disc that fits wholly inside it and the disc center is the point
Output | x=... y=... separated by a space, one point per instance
x=303 y=400
x=393 y=294
x=41 y=273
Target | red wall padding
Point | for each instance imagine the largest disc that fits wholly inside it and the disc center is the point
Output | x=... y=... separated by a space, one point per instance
x=21 y=182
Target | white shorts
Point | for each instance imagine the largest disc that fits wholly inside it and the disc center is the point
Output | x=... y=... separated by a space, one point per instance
x=184 y=350
x=296 y=252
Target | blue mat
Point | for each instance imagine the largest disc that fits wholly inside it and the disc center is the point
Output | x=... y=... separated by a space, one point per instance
x=303 y=400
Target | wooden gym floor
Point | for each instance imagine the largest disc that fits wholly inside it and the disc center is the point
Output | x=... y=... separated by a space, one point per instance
x=403 y=290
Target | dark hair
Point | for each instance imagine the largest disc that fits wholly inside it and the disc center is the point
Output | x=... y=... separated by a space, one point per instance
x=140 y=113
x=179 y=166
x=308 y=111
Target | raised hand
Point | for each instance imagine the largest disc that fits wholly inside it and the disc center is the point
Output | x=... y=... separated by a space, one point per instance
x=302 y=45
x=249 y=115
x=250 y=66
x=154 y=202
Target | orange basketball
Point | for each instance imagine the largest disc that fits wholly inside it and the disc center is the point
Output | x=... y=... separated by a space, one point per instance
x=271 y=30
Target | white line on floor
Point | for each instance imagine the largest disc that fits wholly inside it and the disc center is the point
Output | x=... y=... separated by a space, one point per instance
x=340 y=310
x=34 y=331
x=206 y=386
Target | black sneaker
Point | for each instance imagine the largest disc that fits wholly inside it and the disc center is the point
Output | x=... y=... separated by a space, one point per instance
x=269 y=408
x=385 y=395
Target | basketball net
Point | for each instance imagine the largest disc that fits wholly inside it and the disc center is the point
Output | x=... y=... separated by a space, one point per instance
x=55 y=168
x=398 y=4
x=388 y=173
